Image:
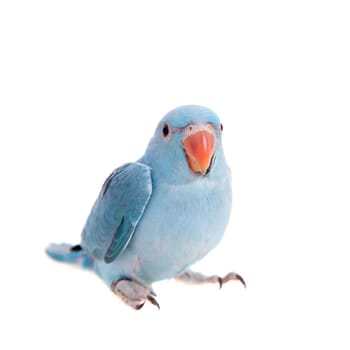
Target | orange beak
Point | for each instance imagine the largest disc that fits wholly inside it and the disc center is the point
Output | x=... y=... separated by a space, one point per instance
x=199 y=148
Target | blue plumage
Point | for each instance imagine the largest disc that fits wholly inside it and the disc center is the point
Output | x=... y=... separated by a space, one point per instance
x=156 y=217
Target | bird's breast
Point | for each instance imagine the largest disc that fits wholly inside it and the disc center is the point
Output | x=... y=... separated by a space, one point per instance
x=181 y=224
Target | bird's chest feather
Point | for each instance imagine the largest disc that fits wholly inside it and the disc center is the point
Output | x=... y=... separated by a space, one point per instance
x=182 y=224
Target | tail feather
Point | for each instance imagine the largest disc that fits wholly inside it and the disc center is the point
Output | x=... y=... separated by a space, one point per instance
x=69 y=254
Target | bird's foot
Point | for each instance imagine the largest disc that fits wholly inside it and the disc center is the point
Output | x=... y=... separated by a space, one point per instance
x=193 y=277
x=133 y=293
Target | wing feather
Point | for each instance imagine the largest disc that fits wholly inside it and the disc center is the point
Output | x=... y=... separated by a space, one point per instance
x=117 y=211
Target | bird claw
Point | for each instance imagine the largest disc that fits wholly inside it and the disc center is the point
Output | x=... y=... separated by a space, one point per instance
x=153 y=301
x=133 y=293
x=232 y=276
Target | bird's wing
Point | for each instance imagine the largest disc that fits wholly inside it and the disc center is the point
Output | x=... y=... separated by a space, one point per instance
x=117 y=211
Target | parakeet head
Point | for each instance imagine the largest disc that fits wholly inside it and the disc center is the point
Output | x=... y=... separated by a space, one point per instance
x=187 y=145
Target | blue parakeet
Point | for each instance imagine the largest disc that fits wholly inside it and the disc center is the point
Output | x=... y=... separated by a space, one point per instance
x=156 y=217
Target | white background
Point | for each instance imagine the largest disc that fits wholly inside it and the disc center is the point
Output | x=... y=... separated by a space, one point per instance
x=82 y=87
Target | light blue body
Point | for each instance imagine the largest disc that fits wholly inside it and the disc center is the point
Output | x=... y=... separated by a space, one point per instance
x=155 y=217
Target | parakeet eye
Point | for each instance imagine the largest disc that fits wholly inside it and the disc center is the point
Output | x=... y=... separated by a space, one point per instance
x=165 y=130
x=221 y=127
